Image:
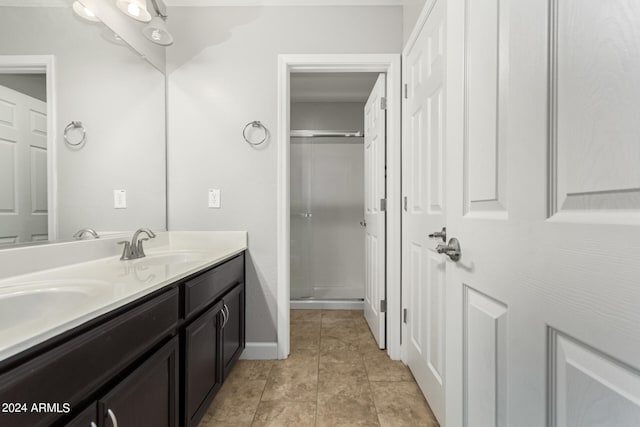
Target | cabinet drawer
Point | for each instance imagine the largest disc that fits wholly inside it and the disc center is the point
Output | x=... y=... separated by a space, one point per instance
x=77 y=368
x=204 y=289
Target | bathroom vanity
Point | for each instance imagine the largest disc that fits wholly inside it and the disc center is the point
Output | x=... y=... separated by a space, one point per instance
x=156 y=352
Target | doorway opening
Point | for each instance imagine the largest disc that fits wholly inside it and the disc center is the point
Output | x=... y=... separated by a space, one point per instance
x=334 y=231
x=327 y=186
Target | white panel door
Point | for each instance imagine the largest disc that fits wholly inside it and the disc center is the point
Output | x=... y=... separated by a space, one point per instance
x=23 y=168
x=375 y=216
x=423 y=269
x=543 y=193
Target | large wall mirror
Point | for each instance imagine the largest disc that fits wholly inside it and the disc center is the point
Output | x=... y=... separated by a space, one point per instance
x=61 y=72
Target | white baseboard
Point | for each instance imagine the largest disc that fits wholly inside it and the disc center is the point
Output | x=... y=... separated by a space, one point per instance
x=260 y=351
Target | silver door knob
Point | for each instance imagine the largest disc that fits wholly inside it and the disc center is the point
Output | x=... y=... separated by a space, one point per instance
x=451 y=249
x=439 y=234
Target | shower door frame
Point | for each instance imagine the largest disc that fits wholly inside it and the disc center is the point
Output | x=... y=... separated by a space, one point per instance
x=390 y=64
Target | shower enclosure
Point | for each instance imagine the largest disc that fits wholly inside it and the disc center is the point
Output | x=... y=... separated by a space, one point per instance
x=327 y=208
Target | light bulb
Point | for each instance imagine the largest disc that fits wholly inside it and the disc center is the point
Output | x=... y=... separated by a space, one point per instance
x=156 y=35
x=134 y=9
x=89 y=13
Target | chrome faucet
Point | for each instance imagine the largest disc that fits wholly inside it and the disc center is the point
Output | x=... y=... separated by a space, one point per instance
x=134 y=249
x=80 y=233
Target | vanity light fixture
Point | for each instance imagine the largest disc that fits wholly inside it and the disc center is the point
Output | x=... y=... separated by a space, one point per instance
x=84 y=12
x=136 y=9
x=157 y=30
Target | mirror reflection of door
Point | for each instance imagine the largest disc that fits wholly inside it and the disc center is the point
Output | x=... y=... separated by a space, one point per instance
x=23 y=158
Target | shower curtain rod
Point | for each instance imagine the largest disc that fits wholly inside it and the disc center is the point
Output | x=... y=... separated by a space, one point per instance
x=325 y=134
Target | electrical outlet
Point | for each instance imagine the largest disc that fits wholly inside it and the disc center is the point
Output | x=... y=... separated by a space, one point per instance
x=120 y=199
x=214 y=198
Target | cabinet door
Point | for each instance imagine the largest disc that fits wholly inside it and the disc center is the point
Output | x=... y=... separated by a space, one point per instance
x=148 y=396
x=203 y=376
x=233 y=332
x=86 y=418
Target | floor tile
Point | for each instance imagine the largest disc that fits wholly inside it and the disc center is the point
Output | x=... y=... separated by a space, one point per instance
x=333 y=372
x=381 y=368
x=335 y=376
x=401 y=404
x=305 y=316
x=293 y=380
x=346 y=404
x=281 y=413
x=236 y=402
x=252 y=369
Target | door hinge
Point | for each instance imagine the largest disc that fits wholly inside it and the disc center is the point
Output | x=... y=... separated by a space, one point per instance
x=383 y=103
x=404 y=316
x=406 y=91
x=383 y=205
x=383 y=306
x=405 y=203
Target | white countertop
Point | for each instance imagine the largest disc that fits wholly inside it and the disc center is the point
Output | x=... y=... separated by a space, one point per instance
x=76 y=293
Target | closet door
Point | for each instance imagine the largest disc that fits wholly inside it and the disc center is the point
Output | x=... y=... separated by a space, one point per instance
x=424 y=271
x=375 y=215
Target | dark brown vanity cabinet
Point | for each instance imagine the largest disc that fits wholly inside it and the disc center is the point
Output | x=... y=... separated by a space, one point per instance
x=233 y=332
x=202 y=368
x=214 y=336
x=157 y=361
x=147 y=397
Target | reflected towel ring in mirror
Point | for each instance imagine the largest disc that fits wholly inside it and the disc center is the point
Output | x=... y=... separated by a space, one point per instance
x=75 y=125
x=255 y=124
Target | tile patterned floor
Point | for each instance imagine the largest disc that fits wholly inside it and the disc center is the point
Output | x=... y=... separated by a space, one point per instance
x=335 y=376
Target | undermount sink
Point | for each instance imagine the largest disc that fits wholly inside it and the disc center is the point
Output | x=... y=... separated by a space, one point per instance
x=28 y=302
x=170 y=258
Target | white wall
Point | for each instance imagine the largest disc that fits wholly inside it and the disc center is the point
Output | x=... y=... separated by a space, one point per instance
x=327 y=180
x=119 y=98
x=411 y=12
x=222 y=75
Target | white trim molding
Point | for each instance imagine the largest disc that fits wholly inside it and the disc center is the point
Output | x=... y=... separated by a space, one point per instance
x=341 y=63
x=260 y=351
x=37 y=64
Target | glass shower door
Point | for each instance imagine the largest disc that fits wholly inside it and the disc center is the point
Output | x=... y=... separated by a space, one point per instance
x=300 y=221
x=327 y=204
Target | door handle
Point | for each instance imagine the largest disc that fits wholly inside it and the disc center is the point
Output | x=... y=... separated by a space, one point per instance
x=439 y=234
x=363 y=223
x=224 y=317
x=451 y=249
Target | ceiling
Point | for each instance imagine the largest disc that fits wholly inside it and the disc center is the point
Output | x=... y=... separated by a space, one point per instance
x=284 y=2
x=332 y=87
x=65 y=3
x=35 y=3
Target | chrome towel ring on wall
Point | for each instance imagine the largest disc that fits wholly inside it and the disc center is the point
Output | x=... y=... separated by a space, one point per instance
x=259 y=125
x=75 y=125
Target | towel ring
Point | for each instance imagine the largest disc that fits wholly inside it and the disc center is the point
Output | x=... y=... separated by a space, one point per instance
x=255 y=124
x=75 y=125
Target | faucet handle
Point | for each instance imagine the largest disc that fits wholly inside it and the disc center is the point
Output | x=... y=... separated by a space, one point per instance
x=141 y=248
x=126 y=252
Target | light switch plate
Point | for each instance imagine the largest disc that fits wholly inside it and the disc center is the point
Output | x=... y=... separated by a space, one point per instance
x=120 y=199
x=214 y=198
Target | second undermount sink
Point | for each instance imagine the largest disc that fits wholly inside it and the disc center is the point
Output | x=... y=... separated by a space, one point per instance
x=31 y=302
x=173 y=257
